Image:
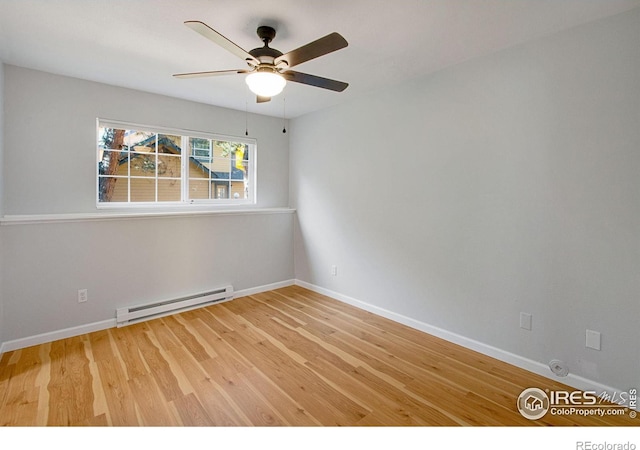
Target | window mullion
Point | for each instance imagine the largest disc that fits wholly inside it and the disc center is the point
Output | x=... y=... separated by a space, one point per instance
x=210 y=176
x=184 y=164
x=155 y=172
x=128 y=174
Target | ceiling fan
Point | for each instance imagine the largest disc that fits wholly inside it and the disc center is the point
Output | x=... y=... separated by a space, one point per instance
x=269 y=69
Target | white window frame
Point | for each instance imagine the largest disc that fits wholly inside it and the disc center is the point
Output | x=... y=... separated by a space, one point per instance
x=185 y=155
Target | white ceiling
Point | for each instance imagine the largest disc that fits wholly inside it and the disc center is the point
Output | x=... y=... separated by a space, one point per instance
x=140 y=43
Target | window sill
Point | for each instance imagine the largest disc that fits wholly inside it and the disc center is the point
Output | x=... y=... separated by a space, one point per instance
x=101 y=217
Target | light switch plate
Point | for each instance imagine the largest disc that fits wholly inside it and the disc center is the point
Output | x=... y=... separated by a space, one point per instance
x=593 y=340
x=525 y=321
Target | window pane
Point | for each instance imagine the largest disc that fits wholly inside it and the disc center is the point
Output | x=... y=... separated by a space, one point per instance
x=169 y=144
x=238 y=190
x=198 y=189
x=239 y=165
x=112 y=138
x=220 y=176
x=200 y=149
x=169 y=191
x=221 y=190
x=140 y=141
x=143 y=190
x=112 y=163
x=198 y=168
x=222 y=159
x=169 y=166
x=143 y=165
x=112 y=189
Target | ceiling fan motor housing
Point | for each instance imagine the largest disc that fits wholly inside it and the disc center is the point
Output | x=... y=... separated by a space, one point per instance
x=266 y=55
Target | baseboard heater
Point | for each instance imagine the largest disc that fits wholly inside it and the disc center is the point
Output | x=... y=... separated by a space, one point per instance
x=134 y=314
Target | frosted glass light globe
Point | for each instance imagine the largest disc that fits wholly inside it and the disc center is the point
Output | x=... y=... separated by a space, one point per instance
x=265 y=84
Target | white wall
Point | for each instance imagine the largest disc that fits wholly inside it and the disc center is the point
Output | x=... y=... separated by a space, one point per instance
x=50 y=169
x=506 y=184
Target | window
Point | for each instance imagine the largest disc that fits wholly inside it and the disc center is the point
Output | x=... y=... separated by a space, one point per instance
x=140 y=166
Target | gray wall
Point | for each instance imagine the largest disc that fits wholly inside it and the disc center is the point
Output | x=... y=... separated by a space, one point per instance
x=49 y=156
x=51 y=121
x=130 y=262
x=506 y=184
x=1 y=192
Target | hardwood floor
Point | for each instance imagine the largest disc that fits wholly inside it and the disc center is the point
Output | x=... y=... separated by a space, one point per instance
x=288 y=357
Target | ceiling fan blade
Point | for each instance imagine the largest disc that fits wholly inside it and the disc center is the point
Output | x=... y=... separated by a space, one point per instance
x=329 y=43
x=314 y=80
x=211 y=34
x=262 y=99
x=210 y=73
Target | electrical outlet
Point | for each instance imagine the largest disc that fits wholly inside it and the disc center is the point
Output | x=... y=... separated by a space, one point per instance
x=334 y=270
x=82 y=295
x=525 y=321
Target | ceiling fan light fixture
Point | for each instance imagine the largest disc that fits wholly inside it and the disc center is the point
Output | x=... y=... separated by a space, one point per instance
x=269 y=68
x=265 y=83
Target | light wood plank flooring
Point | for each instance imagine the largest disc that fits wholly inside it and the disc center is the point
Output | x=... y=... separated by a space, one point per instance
x=288 y=357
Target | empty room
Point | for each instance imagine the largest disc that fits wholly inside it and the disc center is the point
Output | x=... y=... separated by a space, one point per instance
x=320 y=214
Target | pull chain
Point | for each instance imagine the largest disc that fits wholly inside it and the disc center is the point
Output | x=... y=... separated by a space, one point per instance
x=246 y=117
x=284 y=111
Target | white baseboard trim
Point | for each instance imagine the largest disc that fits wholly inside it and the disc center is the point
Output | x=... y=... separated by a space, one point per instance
x=56 y=335
x=264 y=288
x=536 y=367
x=111 y=323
